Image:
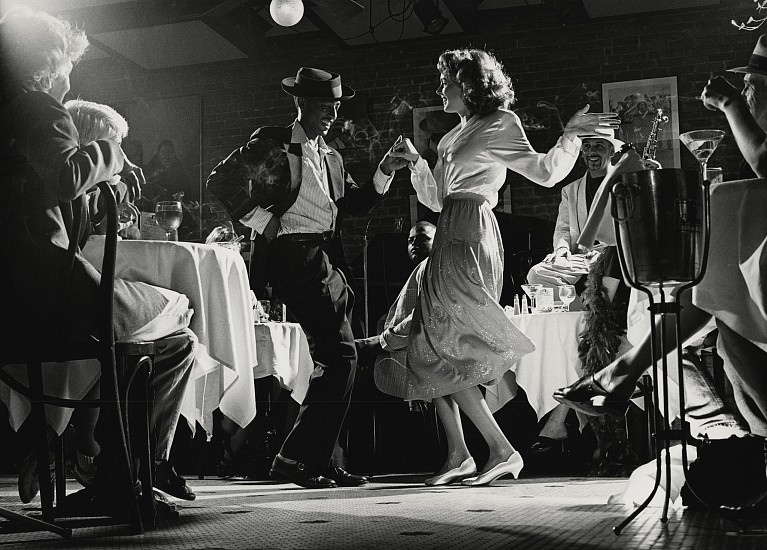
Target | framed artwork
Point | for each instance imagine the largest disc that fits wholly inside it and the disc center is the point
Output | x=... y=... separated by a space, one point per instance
x=638 y=102
x=164 y=138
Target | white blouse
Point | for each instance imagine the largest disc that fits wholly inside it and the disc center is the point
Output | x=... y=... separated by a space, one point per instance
x=473 y=158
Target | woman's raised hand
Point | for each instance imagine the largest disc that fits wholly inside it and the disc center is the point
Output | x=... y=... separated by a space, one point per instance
x=133 y=177
x=583 y=123
x=399 y=155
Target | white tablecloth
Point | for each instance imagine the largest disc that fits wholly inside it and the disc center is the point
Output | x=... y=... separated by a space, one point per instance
x=554 y=364
x=734 y=288
x=283 y=352
x=215 y=280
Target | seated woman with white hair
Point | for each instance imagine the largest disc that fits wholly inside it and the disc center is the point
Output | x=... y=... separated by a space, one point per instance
x=45 y=179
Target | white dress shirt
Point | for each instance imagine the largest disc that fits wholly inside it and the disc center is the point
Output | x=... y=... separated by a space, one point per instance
x=314 y=210
x=474 y=157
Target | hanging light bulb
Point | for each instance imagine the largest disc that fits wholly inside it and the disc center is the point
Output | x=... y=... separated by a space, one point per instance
x=286 y=12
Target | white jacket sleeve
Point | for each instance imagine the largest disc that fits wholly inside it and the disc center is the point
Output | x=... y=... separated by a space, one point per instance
x=509 y=145
x=562 y=228
x=429 y=192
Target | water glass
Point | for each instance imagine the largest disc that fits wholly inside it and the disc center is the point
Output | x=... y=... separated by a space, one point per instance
x=278 y=312
x=714 y=174
x=265 y=309
x=567 y=295
x=168 y=215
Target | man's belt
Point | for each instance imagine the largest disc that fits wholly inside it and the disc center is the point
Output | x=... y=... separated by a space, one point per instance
x=309 y=239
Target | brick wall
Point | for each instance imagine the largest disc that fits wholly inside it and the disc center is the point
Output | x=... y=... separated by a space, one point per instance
x=548 y=60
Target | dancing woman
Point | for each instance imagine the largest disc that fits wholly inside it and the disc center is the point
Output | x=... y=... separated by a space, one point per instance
x=460 y=337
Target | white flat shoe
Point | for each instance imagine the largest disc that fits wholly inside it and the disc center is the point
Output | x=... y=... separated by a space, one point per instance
x=512 y=466
x=467 y=469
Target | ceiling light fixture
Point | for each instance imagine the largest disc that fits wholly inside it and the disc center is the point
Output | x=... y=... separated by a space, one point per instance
x=430 y=15
x=286 y=12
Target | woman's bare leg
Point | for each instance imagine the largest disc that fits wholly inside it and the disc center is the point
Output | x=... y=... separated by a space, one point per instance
x=473 y=404
x=450 y=416
x=620 y=376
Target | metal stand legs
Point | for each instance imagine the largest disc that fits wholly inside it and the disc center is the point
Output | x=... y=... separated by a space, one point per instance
x=663 y=433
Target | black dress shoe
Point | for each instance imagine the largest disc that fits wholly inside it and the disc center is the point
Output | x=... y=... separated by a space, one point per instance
x=544 y=445
x=589 y=397
x=344 y=478
x=168 y=481
x=300 y=474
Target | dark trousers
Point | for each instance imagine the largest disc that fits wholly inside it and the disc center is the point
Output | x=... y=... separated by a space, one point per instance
x=319 y=297
x=746 y=366
x=170 y=376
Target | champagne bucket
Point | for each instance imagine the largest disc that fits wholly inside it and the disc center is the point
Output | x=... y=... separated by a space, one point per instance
x=661 y=224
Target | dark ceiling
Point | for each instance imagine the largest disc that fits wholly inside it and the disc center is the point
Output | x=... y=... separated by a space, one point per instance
x=156 y=34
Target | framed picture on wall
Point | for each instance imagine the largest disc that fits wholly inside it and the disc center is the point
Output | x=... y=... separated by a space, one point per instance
x=638 y=103
x=164 y=138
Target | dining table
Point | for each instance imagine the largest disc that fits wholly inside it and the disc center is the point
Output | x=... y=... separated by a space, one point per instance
x=215 y=280
x=283 y=352
x=554 y=364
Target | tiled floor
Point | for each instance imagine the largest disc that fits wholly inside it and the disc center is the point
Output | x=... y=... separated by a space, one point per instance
x=400 y=512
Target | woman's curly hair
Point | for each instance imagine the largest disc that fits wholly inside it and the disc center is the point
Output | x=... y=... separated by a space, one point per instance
x=36 y=47
x=485 y=86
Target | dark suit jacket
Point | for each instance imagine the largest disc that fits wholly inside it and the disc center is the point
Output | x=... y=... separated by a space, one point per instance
x=38 y=196
x=266 y=172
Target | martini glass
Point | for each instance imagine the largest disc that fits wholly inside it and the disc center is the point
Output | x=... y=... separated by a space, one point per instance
x=532 y=292
x=702 y=144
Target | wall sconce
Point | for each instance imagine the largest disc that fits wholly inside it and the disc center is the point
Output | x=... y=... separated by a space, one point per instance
x=286 y=12
x=429 y=14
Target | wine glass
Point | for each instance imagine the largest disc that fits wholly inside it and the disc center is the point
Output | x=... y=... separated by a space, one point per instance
x=567 y=295
x=532 y=292
x=702 y=144
x=168 y=215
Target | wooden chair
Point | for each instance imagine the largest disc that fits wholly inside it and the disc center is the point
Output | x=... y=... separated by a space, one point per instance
x=125 y=369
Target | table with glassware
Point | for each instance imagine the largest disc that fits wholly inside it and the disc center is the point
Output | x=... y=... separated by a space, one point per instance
x=283 y=352
x=554 y=364
x=215 y=279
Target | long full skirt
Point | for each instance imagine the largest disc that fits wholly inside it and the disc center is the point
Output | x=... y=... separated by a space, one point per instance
x=460 y=336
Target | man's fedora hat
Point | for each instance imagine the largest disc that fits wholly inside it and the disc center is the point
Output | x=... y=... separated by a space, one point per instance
x=758 y=62
x=317 y=83
x=616 y=143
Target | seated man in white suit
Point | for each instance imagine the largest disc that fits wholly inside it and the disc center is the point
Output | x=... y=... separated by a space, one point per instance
x=568 y=263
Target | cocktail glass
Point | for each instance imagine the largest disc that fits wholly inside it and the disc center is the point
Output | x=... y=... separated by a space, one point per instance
x=532 y=292
x=702 y=144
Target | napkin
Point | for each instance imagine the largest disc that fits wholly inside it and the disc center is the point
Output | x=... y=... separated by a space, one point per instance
x=599 y=224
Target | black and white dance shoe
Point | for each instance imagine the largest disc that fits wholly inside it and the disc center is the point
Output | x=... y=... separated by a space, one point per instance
x=589 y=397
x=300 y=474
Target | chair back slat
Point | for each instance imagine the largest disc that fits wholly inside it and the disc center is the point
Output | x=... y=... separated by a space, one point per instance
x=106 y=289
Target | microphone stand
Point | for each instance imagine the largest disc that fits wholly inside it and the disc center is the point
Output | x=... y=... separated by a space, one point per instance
x=365 y=289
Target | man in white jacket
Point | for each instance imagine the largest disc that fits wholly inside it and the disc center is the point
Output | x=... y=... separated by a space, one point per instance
x=568 y=262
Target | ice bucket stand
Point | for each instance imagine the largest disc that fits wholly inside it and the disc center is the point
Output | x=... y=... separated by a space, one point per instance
x=661 y=309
